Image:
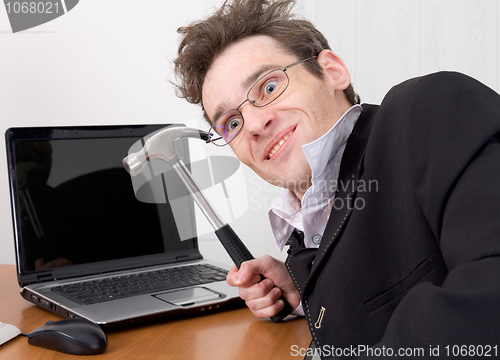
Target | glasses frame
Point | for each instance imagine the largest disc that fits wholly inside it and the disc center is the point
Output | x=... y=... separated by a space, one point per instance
x=212 y=129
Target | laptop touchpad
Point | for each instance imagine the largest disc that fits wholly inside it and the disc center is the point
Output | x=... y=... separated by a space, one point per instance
x=187 y=297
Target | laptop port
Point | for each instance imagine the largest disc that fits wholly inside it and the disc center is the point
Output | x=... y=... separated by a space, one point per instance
x=45 y=303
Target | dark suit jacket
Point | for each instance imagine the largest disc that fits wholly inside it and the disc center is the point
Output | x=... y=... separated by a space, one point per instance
x=411 y=258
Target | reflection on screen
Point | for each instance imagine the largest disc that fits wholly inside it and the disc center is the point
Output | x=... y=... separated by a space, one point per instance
x=78 y=205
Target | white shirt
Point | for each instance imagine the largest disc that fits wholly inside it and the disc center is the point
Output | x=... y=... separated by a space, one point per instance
x=310 y=216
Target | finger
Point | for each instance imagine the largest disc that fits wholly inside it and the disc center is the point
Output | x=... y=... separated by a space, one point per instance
x=257 y=290
x=268 y=306
x=234 y=278
x=59 y=262
x=247 y=275
x=262 y=302
x=230 y=275
x=39 y=263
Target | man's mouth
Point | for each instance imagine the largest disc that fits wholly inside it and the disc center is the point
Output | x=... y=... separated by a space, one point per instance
x=278 y=145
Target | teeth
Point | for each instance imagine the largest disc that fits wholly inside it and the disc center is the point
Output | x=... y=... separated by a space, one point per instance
x=278 y=145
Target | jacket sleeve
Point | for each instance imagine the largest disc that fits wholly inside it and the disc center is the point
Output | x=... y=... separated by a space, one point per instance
x=454 y=123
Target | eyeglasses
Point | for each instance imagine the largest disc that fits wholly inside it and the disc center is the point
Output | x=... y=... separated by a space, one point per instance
x=266 y=90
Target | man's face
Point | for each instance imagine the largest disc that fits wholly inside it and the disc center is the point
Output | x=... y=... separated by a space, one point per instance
x=271 y=139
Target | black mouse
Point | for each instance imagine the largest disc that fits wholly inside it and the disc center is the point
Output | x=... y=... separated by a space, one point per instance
x=72 y=336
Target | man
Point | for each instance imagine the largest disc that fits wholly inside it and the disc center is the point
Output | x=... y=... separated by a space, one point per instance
x=391 y=212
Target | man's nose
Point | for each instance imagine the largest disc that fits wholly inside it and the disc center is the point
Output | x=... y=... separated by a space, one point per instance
x=257 y=119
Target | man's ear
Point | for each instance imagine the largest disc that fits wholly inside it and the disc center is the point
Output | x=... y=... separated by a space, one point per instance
x=335 y=69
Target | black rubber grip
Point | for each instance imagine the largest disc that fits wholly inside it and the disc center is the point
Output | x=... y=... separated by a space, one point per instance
x=233 y=245
x=240 y=253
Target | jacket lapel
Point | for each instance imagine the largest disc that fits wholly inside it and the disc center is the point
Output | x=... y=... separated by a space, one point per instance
x=350 y=170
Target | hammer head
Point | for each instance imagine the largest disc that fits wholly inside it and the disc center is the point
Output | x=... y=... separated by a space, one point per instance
x=160 y=145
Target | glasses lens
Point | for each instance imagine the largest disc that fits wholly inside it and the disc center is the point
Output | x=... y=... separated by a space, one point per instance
x=226 y=128
x=268 y=88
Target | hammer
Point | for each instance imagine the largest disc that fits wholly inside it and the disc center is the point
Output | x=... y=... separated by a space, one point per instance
x=161 y=145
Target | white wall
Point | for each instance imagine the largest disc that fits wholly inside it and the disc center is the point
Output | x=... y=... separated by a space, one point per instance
x=108 y=62
x=384 y=42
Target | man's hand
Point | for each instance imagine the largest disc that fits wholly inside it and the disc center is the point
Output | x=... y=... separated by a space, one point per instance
x=40 y=264
x=262 y=297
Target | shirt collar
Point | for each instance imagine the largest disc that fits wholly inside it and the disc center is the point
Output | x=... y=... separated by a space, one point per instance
x=317 y=153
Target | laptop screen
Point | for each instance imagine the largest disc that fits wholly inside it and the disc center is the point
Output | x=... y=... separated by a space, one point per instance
x=74 y=203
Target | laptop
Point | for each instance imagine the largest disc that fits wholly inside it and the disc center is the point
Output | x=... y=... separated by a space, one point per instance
x=87 y=248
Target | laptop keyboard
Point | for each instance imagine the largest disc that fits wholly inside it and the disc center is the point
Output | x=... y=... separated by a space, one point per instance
x=96 y=291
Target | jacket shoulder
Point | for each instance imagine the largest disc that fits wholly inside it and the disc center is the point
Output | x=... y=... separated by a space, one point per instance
x=439 y=86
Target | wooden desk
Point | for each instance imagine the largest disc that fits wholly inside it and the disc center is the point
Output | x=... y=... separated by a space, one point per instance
x=233 y=334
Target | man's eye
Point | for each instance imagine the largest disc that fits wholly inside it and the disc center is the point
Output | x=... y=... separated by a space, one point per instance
x=233 y=124
x=269 y=87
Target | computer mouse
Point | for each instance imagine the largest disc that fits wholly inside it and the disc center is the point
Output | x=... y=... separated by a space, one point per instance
x=72 y=336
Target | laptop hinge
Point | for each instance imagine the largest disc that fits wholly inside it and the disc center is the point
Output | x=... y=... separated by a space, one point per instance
x=182 y=258
x=44 y=278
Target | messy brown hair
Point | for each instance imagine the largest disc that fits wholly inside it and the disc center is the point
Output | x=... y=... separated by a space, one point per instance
x=203 y=40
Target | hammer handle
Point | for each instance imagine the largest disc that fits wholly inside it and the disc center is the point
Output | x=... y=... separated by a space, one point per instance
x=240 y=253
